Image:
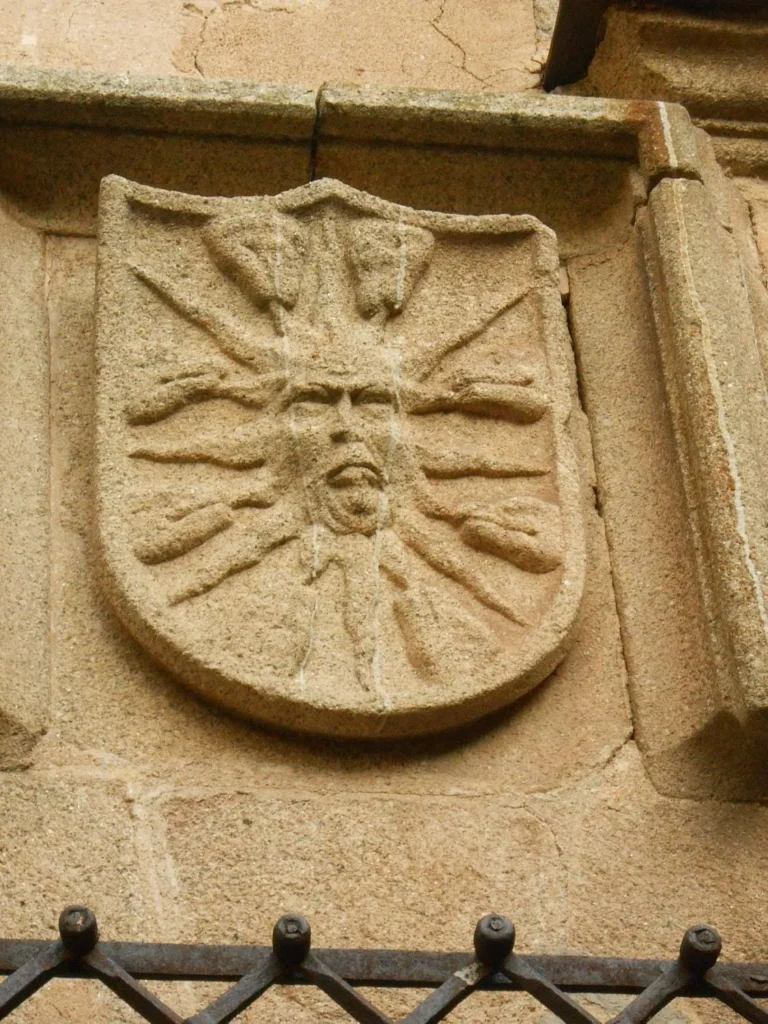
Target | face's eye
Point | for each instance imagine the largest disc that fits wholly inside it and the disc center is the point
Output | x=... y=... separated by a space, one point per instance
x=311 y=394
x=374 y=396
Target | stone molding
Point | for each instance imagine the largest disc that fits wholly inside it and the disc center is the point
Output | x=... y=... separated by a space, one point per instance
x=169 y=105
x=715 y=382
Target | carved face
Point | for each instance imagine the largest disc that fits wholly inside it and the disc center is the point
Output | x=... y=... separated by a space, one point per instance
x=344 y=428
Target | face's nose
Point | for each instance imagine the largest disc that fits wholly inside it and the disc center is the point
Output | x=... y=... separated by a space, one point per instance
x=344 y=426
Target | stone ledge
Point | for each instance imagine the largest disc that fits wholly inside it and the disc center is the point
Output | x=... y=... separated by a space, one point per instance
x=658 y=136
x=167 y=105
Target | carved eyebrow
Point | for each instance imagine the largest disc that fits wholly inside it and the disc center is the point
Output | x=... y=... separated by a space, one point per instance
x=374 y=393
x=309 y=390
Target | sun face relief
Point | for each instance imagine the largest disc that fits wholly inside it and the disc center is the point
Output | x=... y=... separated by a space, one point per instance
x=344 y=429
x=337 y=488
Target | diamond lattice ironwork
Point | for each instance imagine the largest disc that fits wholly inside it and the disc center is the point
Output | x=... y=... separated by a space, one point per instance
x=291 y=960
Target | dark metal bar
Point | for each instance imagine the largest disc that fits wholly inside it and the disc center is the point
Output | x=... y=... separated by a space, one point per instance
x=372 y=967
x=672 y=982
x=341 y=992
x=240 y=996
x=541 y=988
x=30 y=976
x=452 y=992
x=734 y=997
x=130 y=991
x=453 y=976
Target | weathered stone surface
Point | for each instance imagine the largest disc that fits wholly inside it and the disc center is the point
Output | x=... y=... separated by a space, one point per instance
x=714 y=377
x=69 y=840
x=23 y=494
x=588 y=212
x=641 y=497
x=249 y=110
x=756 y=194
x=498 y=46
x=72 y=840
x=91 y=35
x=684 y=676
x=491 y=121
x=66 y=201
x=642 y=866
x=658 y=55
x=667 y=144
x=405 y=42
x=67 y=1002
x=546 y=811
x=715 y=67
x=223 y=138
x=320 y=853
x=337 y=484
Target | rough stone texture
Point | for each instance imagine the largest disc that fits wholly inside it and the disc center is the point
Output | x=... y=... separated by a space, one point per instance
x=92 y=35
x=23 y=494
x=70 y=840
x=588 y=211
x=715 y=67
x=641 y=864
x=65 y=1002
x=714 y=372
x=433 y=43
x=315 y=851
x=68 y=202
x=65 y=839
x=681 y=717
x=438 y=44
x=755 y=193
x=489 y=121
x=641 y=499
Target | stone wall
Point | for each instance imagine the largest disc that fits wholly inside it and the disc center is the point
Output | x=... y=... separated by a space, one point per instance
x=616 y=804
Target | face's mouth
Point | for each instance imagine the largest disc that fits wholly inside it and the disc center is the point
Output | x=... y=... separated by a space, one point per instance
x=355 y=472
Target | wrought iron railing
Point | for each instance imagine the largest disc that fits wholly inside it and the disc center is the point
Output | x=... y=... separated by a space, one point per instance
x=340 y=972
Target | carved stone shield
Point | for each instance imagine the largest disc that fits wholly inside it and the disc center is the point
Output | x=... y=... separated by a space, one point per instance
x=336 y=486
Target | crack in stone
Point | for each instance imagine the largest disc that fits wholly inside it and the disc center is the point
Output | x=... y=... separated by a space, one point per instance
x=561 y=859
x=484 y=80
x=753 y=222
x=205 y=15
x=435 y=24
x=71 y=18
x=200 y=44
